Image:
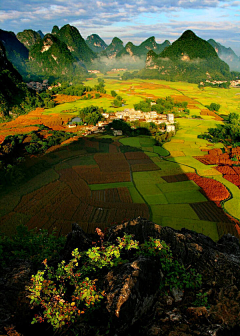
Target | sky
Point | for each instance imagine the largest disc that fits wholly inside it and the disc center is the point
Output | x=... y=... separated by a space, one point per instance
x=129 y=20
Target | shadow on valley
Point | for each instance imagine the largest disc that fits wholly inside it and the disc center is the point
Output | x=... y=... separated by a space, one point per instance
x=102 y=180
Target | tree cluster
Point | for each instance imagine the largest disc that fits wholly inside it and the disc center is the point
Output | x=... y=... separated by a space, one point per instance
x=162 y=106
x=228 y=133
x=91 y=114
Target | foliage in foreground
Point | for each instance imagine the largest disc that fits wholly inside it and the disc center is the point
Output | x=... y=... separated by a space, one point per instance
x=69 y=291
x=29 y=245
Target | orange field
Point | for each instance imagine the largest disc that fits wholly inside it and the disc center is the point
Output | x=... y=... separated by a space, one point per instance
x=25 y=123
x=212 y=114
x=214 y=190
x=225 y=162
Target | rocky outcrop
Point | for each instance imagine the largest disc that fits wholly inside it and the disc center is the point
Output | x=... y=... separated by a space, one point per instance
x=134 y=304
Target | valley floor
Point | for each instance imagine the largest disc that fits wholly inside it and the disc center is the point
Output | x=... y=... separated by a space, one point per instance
x=97 y=184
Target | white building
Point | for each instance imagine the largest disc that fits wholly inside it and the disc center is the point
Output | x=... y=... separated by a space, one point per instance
x=170 y=128
x=170 y=118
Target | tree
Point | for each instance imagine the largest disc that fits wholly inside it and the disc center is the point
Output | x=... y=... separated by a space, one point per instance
x=113 y=93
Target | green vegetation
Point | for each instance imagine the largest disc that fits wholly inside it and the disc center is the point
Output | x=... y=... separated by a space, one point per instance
x=30 y=245
x=142 y=50
x=162 y=106
x=14 y=95
x=73 y=39
x=61 y=65
x=114 y=47
x=118 y=102
x=213 y=107
x=28 y=37
x=76 y=282
x=91 y=115
x=228 y=133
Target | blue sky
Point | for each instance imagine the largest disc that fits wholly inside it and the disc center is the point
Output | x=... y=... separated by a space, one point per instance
x=129 y=20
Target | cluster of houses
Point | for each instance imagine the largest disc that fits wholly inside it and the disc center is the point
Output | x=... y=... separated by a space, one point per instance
x=37 y=86
x=235 y=83
x=128 y=115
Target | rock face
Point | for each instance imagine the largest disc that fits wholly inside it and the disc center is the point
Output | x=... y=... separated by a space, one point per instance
x=114 y=47
x=28 y=37
x=75 y=43
x=16 y=52
x=134 y=304
x=227 y=55
x=95 y=42
x=143 y=48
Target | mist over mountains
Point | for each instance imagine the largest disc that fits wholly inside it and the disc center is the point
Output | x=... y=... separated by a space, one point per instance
x=65 y=54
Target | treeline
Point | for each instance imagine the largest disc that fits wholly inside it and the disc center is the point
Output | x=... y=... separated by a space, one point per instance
x=137 y=128
x=91 y=114
x=192 y=71
x=162 y=106
x=15 y=147
x=228 y=133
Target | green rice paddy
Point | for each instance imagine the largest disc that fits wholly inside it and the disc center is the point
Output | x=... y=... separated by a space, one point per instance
x=169 y=203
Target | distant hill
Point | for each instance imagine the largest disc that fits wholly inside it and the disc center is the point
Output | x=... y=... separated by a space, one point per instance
x=12 y=89
x=52 y=57
x=16 y=52
x=95 y=43
x=143 y=48
x=75 y=43
x=40 y=33
x=29 y=37
x=189 y=58
x=189 y=46
x=114 y=48
x=227 y=55
x=55 y=30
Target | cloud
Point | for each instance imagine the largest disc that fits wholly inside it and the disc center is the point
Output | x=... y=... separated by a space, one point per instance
x=128 y=19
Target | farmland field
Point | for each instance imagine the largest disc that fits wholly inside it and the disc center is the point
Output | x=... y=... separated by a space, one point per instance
x=96 y=185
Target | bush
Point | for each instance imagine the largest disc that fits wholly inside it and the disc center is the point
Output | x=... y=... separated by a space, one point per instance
x=31 y=245
x=69 y=291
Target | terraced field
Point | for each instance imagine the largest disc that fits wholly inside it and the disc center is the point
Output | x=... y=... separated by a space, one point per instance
x=96 y=185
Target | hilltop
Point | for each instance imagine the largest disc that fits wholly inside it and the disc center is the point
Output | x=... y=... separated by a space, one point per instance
x=114 y=48
x=75 y=43
x=29 y=37
x=95 y=42
x=16 y=52
x=141 y=51
x=51 y=57
x=162 y=282
x=189 y=58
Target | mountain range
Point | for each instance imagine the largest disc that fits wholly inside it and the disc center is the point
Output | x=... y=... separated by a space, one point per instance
x=64 y=53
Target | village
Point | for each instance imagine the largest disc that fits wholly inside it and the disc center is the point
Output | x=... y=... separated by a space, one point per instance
x=127 y=115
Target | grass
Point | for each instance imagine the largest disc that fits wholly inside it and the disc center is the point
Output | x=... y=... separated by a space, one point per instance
x=156 y=199
x=148 y=189
x=180 y=151
x=136 y=197
x=147 y=178
x=82 y=161
x=133 y=141
x=110 y=185
x=205 y=227
x=172 y=210
x=178 y=187
x=180 y=197
x=9 y=201
x=160 y=150
x=232 y=206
